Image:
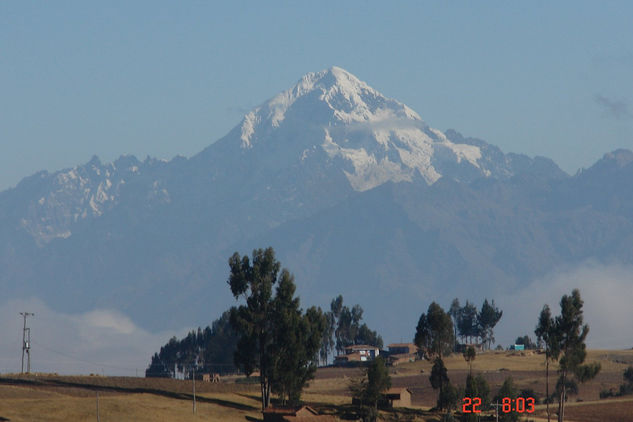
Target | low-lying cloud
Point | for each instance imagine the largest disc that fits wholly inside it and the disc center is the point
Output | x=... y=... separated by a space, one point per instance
x=101 y=341
x=108 y=342
x=386 y=124
x=607 y=292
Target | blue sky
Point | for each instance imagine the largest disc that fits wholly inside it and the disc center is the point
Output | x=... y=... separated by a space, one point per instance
x=167 y=78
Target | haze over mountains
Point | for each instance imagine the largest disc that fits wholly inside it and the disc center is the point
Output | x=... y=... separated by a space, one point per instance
x=355 y=192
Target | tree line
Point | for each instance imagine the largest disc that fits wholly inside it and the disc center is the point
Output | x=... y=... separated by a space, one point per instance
x=471 y=324
x=210 y=350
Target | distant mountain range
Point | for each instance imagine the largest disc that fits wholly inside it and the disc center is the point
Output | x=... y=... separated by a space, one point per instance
x=354 y=191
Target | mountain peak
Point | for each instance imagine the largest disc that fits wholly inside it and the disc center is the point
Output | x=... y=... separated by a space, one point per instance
x=620 y=157
x=327 y=98
x=334 y=77
x=611 y=162
x=331 y=122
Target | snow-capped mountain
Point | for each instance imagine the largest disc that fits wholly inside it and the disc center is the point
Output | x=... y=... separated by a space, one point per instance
x=301 y=151
x=332 y=116
x=353 y=190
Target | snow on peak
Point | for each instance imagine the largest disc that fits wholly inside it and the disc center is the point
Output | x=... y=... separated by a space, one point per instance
x=378 y=139
x=344 y=98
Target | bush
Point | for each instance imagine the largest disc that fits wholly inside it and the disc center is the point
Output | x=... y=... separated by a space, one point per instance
x=448 y=398
x=528 y=392
x=626 y=389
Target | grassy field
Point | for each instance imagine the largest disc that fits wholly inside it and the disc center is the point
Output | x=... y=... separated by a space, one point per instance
x=53 y=398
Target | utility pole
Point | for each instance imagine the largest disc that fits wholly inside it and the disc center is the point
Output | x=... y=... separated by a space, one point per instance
x=26 y=343
x=98 y=419
x=194 y=390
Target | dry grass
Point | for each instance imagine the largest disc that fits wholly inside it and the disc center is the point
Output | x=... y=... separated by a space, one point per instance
x=128 y=407
x=73 y=398
x=57 y=398
x=615 y=410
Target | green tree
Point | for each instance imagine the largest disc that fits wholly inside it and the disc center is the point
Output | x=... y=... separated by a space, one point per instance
x=455 y=313
x=448 y=398
x=507 y=391
x=525 y=341
x=440 y=381
x=571 y=334
x=547 y=335
x=370 y=388
x=487 y=319
x=483 y=389
x=349 y=330
x=476 y=386
x=469 y=356
x=628 y=375
x=296 y=342
x=348 y=326
x=378 y=380
x=468 y=322
x=208 y=350
x=163 y=363
x=254 y=321
x=434 y=332
x=367 y=336
x=328 y=344
x=219 y=345
x=157 y=368
x=274 y=335
x=627 y=386
x=336 y=307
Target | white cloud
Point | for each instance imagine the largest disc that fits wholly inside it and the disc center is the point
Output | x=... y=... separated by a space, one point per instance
x=112 y=320
x=388 y=123
x=607 y=292
x=100 y=341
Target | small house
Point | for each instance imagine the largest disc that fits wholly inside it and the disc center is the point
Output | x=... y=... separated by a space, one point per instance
x=357 y=353
x=365 y=351
x=402 y=348
x=398 y=397
x=401 y=353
